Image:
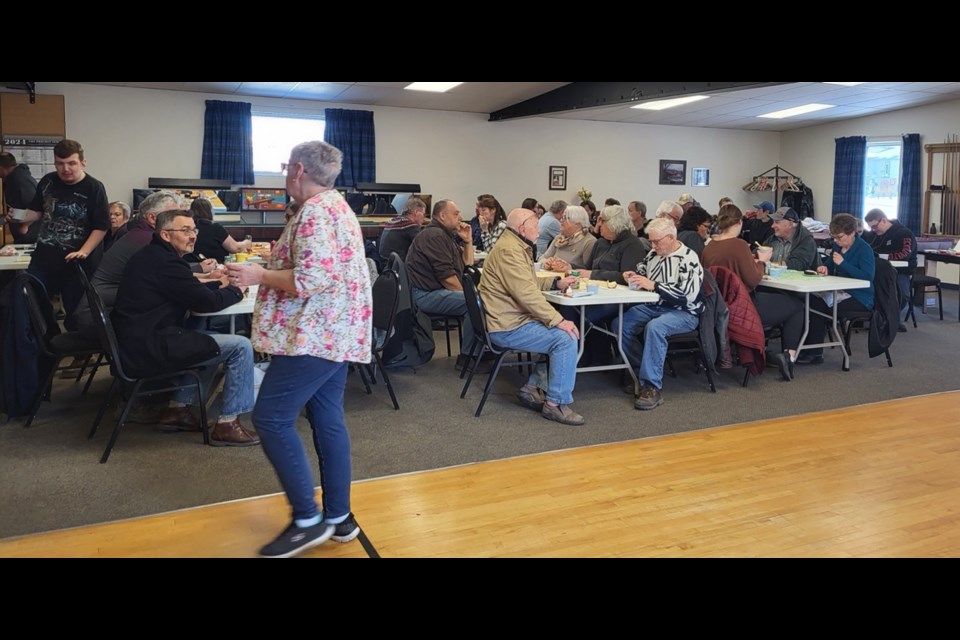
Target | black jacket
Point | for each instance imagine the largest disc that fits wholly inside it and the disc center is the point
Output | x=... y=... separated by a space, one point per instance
x=886 y=309
x=156 y=291
x=24 y=367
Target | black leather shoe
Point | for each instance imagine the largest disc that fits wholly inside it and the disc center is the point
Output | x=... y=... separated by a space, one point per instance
x=783 y=363
x=902 y=328
x=810 y=358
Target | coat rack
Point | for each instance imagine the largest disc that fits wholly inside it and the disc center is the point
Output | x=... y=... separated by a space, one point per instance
x=762 y=182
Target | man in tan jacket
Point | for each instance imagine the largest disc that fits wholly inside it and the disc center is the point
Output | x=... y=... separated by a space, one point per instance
x=519 y=317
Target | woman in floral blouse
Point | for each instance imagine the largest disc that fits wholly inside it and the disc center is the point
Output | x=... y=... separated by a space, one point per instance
x=313 y=315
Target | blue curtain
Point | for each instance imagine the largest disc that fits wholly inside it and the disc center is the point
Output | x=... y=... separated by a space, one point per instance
x=227 y=142
x=909 y=204
x=352 y=133
x=848 y=169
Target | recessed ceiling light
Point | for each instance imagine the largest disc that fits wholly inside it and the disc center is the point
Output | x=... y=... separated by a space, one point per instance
x=436 y=87
x=660 y=105
x=846 y=84
x=796 y=111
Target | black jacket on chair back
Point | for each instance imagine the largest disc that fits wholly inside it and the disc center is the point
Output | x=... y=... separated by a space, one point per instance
x=156 y=291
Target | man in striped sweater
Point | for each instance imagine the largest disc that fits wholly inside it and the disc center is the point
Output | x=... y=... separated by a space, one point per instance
x=673 y=271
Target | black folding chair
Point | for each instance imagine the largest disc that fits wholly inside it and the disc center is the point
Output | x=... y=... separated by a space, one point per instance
x=386 y=298
x=53 y=344
x=482 y=343
x=110 y=346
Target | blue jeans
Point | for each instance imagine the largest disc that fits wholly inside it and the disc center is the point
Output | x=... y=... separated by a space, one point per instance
x=656 y=323
x=450 y=303
x=290 y=383
x=537 y=338
x=236 y=354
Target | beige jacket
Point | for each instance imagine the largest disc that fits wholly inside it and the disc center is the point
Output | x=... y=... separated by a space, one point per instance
x=510 y=289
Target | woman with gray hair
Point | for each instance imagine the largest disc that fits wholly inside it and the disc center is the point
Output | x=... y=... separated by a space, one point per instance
x=617 y=251
x=119 y=216
x=574 y=244
x=313 y=315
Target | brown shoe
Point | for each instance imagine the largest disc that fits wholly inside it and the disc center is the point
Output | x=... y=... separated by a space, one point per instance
x=231 y=434
x=179 y=419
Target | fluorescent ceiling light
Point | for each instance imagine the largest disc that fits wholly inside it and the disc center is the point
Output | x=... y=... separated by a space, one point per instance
x=796 y=111
x=846 y=84
x=660 y=105
x=436 y=87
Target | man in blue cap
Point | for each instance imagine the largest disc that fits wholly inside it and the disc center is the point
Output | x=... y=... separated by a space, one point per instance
x=758 y=228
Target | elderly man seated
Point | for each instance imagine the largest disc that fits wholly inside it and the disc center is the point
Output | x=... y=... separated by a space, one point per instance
x=792 y=243
x=155 y=292
x=518 y=317
x=673 y=271
x=670 y=210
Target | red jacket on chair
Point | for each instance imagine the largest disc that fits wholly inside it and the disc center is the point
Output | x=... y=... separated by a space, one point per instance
x=745 y=328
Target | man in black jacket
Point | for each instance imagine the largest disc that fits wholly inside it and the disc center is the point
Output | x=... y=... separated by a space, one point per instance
x=896 y=242
x=156 y=291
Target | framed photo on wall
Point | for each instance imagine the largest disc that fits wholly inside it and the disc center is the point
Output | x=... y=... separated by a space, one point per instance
x=558 y=178
x=673 y=172
x=699 y=177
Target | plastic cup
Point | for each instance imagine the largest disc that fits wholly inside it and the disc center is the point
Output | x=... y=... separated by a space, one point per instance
x=593 y=289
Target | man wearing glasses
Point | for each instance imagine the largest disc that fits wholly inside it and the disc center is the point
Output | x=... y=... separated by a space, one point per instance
x=898 y=243
x=156 y=291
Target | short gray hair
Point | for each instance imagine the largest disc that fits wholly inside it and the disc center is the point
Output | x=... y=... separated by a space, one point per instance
x=577 y=215
x=666 y=208
x=662 y=226
x=321 y=162
x=414 y=204
x=123 y=206
x=557 y=207
x=158 y=201
x=616 y=217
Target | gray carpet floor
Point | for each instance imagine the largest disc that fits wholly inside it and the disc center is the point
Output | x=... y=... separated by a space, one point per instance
x=50 y=477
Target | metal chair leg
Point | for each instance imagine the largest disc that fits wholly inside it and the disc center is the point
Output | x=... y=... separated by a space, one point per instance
x=386 y=381
x=40 y=392
x=123 y=417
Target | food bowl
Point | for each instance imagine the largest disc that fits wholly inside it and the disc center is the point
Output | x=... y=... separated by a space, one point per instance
x=776 y=270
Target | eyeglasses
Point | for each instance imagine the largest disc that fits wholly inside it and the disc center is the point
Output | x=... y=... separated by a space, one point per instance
x=659 y=240
x=873 y=225
x=285 y=166
x=840 y=237
x=528 y=219
x=190 y=231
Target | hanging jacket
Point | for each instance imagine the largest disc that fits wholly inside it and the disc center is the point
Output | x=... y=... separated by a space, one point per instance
x=24 y=366
x=745 y=328
x=886 y=309
x=411 y=344
x=713 y=321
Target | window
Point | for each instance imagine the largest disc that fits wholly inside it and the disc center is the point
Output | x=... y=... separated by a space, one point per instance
x=275 y=134
x=881 y=176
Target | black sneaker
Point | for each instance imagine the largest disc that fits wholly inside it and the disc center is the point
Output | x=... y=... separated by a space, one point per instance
x=346 y=530
x=295 y=539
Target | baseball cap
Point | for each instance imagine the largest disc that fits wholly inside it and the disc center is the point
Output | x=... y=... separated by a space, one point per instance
x=685 y=198
x=785 y=213
x=766 y=205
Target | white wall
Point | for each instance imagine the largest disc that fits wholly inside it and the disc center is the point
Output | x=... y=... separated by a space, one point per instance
x=132 y=134
x=809 y=152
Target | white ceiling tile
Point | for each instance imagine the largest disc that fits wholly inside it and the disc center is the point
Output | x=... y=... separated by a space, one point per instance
x=212 y=87
x=317 y=90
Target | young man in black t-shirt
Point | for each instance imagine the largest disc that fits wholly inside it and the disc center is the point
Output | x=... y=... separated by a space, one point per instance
x=74 y=217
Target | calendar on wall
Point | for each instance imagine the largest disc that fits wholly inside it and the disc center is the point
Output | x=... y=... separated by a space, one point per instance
x=34 y=151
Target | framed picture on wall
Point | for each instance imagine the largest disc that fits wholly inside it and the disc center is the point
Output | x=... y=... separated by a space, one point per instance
x=558 y=178
x=699 y=177
x=673 y=172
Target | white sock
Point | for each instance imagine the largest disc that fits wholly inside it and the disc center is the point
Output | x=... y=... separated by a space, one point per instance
x=308 y=522
x=176 y=405
x=229 y=419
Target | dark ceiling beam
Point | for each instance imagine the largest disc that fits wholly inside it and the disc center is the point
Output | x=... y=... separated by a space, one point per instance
x=590 y=95
x=29 y=87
